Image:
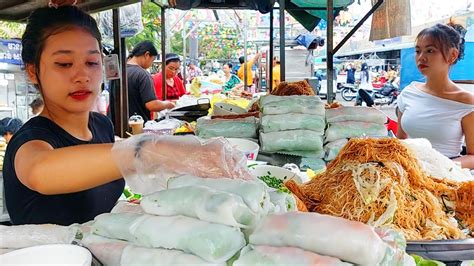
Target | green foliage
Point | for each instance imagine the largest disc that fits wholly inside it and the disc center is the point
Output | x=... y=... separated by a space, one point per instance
x=10 y=30
x=151 y=14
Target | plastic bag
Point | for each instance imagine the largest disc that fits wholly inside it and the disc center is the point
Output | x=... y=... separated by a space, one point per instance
x=355 y=113
x=147 y=161
x=343 y=130
x=291 y=140
x=229 y=128
x=333 y=148
x=272 y=123
x=164 y=127
x=130 y=21
x=22 y=236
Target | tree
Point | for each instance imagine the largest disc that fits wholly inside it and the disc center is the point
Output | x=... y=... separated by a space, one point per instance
x=151 y=26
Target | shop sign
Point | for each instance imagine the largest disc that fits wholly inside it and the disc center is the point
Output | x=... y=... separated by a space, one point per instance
x=10 y=52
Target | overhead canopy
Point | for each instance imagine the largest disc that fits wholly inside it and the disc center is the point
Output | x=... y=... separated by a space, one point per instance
x=19 y=10
x=306 y=12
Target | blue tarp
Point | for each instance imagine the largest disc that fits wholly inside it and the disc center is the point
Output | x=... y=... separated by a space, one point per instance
x=462 y=70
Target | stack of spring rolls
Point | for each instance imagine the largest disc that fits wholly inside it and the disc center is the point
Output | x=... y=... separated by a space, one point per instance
x=346 y=122
x=195 y=221
x=296 y=238
x=292 y=125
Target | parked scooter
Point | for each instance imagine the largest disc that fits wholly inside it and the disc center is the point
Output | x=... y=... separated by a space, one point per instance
x=387 y=95
x=349 y=92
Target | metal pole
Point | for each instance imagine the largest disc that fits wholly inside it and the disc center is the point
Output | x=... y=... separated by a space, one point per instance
x=329 y=49
x=282 y=39
x=163 y=53
x=270 y=57
x=245 y=52
x=120 y=103
x=183 y=35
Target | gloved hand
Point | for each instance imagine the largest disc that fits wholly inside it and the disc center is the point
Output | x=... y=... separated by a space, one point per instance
x=147 y=161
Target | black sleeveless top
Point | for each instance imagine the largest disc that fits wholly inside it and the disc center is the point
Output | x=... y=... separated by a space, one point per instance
x=26 y=206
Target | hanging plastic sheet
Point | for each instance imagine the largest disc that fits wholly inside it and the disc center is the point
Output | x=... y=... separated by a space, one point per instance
x=130 y=21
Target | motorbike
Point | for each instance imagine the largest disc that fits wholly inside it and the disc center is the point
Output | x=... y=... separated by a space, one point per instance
x=386 y=95
x=349 y=92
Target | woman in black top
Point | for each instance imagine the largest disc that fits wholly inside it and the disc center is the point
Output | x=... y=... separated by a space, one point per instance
x=59 y=166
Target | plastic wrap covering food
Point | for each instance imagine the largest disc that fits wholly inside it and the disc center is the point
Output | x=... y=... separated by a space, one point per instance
x=312 y=163
x=276 y=256
x=116 y=252
x=275 y=105
x=272 y=123
x=342 y=130
x=332 y=149
x=213 y=242
x=147 y=161
x=200 y=202
x=130 y=21
x=355 y=113
x=294 y=140
x=229 y=128
x=350 y=241
x=127 y=207
x=253 y=193
x=22 y=236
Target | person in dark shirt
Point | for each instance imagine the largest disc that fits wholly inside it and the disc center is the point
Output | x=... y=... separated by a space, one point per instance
x=60 y=167
x=350 y=74
x=141 y=93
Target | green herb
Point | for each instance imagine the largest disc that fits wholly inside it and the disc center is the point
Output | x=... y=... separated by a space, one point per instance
x=420 y=261
x=274 y=182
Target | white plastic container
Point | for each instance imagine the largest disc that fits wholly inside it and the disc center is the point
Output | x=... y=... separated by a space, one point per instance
x=60 y=254
x=278 y=172
x=248 y=147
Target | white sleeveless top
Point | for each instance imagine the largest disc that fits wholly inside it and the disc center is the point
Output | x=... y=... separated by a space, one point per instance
x=434 y=118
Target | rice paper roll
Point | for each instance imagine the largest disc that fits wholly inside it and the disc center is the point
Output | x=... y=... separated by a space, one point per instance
x=107 y=251
x=133 y=255
x=350 y=241
x=282 y=256
x=273 y=123
x=28 y=235
x=292 y=140
x=344 y=130
x=212 y=242
x=333 y=148
x=200 y=202
x=253 y=193
x=282 y=201
x=355 y=113
x=229 y=128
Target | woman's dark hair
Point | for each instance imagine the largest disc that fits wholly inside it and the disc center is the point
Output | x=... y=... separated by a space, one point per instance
x=10 y=125
x=143 y=47
x=446 y=37
x=242 y=59
x=170 y=58
x=365 y=68
x=44 y=22
x=229 y=65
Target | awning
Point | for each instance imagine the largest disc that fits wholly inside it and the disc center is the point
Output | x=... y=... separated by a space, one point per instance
x=19 y=10
x=306 y=12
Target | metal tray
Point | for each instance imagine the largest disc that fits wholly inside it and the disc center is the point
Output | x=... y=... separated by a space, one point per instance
x=443 y=250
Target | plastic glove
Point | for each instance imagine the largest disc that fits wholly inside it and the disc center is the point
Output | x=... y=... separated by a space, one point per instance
x=147 y=161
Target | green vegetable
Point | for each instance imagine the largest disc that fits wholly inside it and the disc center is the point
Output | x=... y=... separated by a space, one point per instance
x=420 y=261
x=130 y=195
x=274 y=182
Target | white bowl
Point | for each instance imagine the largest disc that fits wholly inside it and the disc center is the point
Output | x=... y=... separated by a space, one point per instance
x=248 y=147
x=60 y=254
x=227 y=109
x=278 y=172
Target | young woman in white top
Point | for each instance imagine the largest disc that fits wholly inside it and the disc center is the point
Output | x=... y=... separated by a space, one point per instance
x=438 y=109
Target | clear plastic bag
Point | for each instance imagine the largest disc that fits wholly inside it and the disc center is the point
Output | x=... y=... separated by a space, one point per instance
x=229 y=128
x=147 y=161
x=130 y=21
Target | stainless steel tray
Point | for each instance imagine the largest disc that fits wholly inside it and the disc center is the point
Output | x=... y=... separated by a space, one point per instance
x=443 y=250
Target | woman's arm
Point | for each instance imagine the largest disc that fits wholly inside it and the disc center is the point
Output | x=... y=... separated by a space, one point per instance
x=66 y=170
x=467 y=161
x=401 y=134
